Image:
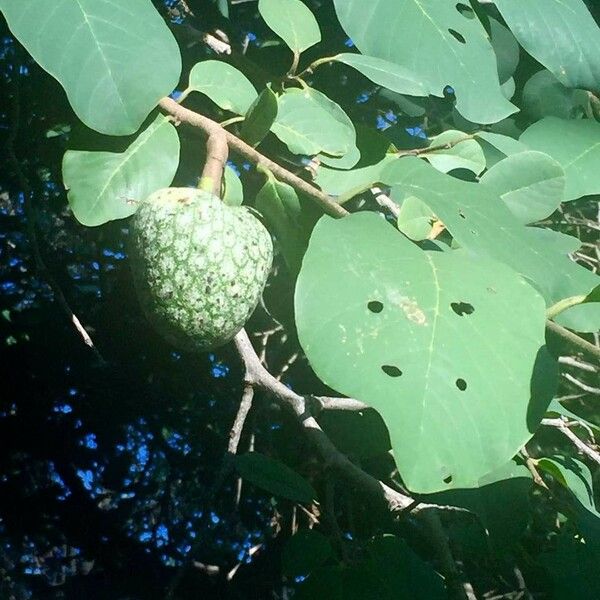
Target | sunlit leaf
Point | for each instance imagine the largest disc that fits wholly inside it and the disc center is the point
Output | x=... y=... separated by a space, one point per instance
x=436 y=41
x=223 y=84
x=292 y=21
x=575 y=145
x=461 y=152
x=531 y=184
x=444 y=345
x=103 y=186
x=234 y=191
x=481 y=223
x=308 y=124
x=560 y=34
x=115 y=59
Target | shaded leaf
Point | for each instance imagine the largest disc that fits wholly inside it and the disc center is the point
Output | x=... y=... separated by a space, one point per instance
x=260 y=117
x=385 y=73
x=274 y=477
x=506 y=49
x=103 y=186
x=279 y=204
x=545 y=96
x=304 y=552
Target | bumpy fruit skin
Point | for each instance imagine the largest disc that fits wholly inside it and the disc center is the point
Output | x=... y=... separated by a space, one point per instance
x=199 y=266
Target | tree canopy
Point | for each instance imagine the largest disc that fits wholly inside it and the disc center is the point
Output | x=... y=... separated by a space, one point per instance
x=411 y=410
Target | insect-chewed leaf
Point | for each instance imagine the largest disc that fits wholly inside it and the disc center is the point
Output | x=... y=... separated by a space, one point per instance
x=448 y=347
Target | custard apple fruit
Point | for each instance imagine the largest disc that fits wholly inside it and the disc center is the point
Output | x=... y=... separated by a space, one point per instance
x=199 y=266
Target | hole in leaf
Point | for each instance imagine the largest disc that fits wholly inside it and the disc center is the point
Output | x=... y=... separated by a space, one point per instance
x=375 y=306
x=391 y=371
x=448 y=479
x=462 y=308
x=465 y=10
x=461 y=214
x=448 y=91
x=457 y=36
x=461 y=384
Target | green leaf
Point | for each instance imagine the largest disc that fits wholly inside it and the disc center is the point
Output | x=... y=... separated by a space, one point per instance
x=572 y=567
x=279 y=204
x=385 y=73
x=584 y=318
x=304 y=552
x=416 y=335
x=482 y=224
x=545 y=96
x=360 y=434
x=575 y=476
x=575 y=145
x=223 y=84
x=434 y=40
x=260 y=117
x=573 y=55
x=292 y=21
x=415 y=219
x=234 y=191
x=500 y=500
x=307 y=123
x=348 y=183
x=325 y=582
x=465 y=154
x=496 y=146
x=103 y=186
x=399 y=574
x=83 y=44
x=557 y=408
x=506 y=49
x=274 y=476
x=531 y=184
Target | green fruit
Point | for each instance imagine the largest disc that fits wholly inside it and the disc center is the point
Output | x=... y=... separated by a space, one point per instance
x=199 y=266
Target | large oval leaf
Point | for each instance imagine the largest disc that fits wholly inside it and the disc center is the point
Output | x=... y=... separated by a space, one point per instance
x=115 y=59
x=103 y=186
x=416 y=335
x=560 y=34
x=531 y=184
x=434 y=40
x=225 y=85
x=292 y=21
x=575 y=145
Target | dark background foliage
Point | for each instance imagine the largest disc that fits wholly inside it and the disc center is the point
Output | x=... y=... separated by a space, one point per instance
x=106 y=468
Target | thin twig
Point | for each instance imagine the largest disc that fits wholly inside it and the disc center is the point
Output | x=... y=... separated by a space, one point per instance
x=574 y=339
x=563 y=427
x=41 y=266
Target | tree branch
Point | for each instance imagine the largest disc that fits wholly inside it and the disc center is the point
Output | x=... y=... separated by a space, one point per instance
x=563 y=427
x=43 y=270
x=260 y=378
x=184 y=115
